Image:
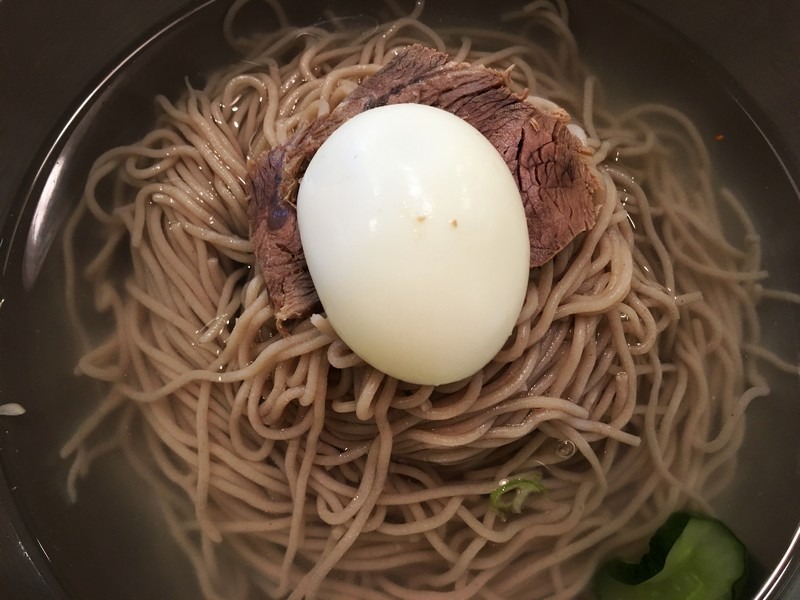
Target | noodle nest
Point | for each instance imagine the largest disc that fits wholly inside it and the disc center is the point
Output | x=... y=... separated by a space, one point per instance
x=290 y=468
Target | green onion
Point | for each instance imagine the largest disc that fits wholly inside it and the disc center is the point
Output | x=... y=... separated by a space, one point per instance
x=502 y=501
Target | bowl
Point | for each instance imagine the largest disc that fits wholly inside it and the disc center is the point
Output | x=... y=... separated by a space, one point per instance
x=82 y=79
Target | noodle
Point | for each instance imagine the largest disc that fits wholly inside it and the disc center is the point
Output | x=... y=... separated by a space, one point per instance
x=291 y=468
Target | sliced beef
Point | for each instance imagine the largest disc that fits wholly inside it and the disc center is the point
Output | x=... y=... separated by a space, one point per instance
x=556 y=184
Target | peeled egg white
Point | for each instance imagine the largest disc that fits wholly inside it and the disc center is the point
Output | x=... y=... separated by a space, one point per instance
x=416 y=240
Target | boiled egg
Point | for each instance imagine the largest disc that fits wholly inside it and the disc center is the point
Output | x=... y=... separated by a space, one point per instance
x=416 y=241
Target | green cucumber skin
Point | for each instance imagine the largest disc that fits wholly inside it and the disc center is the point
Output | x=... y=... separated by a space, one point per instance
x=692 y=557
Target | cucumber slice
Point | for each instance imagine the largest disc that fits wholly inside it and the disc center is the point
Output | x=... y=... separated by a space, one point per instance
x=691 y=557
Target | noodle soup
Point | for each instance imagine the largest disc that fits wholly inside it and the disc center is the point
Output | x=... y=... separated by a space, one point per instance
x=289 y=466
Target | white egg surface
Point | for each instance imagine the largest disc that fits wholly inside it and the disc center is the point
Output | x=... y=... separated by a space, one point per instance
x=416 y=241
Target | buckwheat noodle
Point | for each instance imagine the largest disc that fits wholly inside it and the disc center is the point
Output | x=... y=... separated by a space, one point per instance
x=289 y=468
